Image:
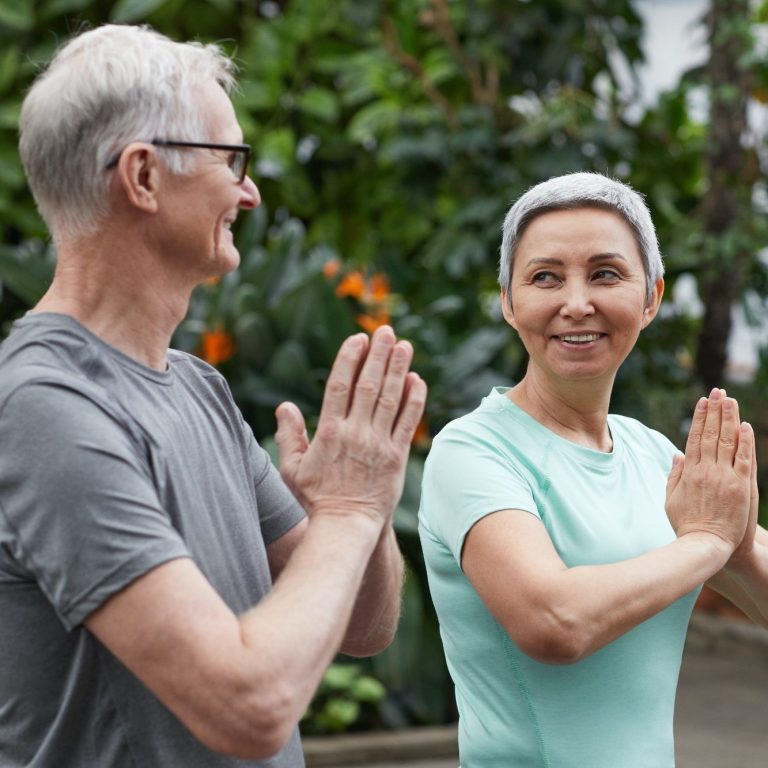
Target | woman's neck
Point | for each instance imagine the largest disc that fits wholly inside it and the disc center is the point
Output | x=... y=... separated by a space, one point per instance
x=576 y=411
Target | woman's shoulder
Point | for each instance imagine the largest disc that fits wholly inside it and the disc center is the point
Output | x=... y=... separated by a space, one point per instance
x=495 y=429
x=639 y=436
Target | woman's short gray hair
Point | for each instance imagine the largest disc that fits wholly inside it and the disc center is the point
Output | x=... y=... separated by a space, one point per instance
x=581 y=190
x=103 y=89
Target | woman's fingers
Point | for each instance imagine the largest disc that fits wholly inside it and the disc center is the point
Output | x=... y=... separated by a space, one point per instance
x=744 y=463
x=678 y=462
x=729 y=431
x=710 y=435
x=693 y=444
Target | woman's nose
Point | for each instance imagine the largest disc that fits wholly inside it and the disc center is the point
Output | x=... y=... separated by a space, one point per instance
x=577 y=302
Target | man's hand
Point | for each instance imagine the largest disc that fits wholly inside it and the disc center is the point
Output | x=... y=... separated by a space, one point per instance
x=710 y=491
x=372 y=405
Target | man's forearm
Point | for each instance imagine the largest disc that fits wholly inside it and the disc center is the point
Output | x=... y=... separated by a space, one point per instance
x=377 y=608
x=294 y=633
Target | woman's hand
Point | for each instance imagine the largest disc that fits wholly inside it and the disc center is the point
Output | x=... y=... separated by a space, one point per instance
x=743 y=553
x=711 y=490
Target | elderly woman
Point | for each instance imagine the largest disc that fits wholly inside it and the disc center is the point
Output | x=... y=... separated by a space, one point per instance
x=565 y=546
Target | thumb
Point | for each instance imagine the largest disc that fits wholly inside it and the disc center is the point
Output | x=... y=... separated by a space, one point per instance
x=291 y=436
x=678 y=463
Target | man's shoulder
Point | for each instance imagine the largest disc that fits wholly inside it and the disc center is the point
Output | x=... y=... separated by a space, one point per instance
x=41 y=351
x=49 y=377
x=185 y=362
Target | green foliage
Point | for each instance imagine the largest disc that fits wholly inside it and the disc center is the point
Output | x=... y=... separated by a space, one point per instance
x=345 y=699
x=281 y=312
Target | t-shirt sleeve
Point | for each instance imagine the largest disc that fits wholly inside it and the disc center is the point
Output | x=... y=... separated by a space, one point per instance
x=78 y=508
x=279 y=511
x=465 y=479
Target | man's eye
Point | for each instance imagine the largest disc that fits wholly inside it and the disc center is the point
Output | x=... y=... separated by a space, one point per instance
x=232 y=160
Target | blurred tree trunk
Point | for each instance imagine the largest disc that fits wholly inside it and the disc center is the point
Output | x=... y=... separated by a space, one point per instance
x=730 y=171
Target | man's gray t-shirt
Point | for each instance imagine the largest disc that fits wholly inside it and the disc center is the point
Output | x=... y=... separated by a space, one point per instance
x=107 y=470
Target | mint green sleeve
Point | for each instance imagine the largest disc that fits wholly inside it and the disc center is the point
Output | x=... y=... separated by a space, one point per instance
x=466 y=478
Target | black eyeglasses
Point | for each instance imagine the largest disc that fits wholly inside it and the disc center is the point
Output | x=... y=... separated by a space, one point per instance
x=238 y=158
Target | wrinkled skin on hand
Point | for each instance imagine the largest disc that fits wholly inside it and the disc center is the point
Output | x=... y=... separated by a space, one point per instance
x=712 y=490
x=355 y=464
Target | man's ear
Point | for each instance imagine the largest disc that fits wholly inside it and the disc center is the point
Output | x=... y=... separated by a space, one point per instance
x=654 y=302
x=138 y=173
x=506 y=309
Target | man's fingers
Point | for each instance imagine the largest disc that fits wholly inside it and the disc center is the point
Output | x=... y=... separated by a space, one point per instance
x=414 y=400
x=341 y=381
x=291 y=435
x=371 y=379
x=393 y=389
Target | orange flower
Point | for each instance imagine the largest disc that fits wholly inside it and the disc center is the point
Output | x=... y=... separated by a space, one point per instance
x=369 y=323
x=331 y=268
x=216 y=346
x=378 y=286
x=352 y=284
x=421 y=435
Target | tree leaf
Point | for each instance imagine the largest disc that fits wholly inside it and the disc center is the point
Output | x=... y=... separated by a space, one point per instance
x=127 y=11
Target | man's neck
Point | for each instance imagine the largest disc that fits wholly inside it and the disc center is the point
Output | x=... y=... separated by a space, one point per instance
x=126 y=301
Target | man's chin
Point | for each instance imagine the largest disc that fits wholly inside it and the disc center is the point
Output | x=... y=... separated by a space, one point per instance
x=228 y=261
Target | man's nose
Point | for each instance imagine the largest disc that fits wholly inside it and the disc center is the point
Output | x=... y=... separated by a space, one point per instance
x=249 y=194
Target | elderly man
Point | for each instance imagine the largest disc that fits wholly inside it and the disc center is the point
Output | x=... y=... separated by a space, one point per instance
x=141 y=526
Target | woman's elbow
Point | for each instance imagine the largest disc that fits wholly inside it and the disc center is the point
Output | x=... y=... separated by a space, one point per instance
x=370 y=644
x=554 y=641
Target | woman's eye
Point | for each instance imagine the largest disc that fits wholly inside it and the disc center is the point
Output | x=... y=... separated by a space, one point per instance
x=543 y=277
x=606 y=275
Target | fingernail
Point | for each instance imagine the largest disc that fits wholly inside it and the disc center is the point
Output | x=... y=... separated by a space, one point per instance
x=702 y=404
x=745 y=427
x=715 y=395
x=728 y=404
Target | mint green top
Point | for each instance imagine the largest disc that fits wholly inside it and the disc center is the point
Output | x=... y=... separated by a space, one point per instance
x=613 y=709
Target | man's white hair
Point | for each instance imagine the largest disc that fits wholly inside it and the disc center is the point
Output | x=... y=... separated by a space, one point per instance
x=581 y=190
x=103 y=89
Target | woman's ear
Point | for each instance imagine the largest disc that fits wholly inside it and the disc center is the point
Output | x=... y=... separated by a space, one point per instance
x=138 y=173
x=506 y=309
x=654 y=302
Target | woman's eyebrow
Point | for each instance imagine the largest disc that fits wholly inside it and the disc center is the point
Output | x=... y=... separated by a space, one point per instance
x=554 y=260
x=606 y=255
